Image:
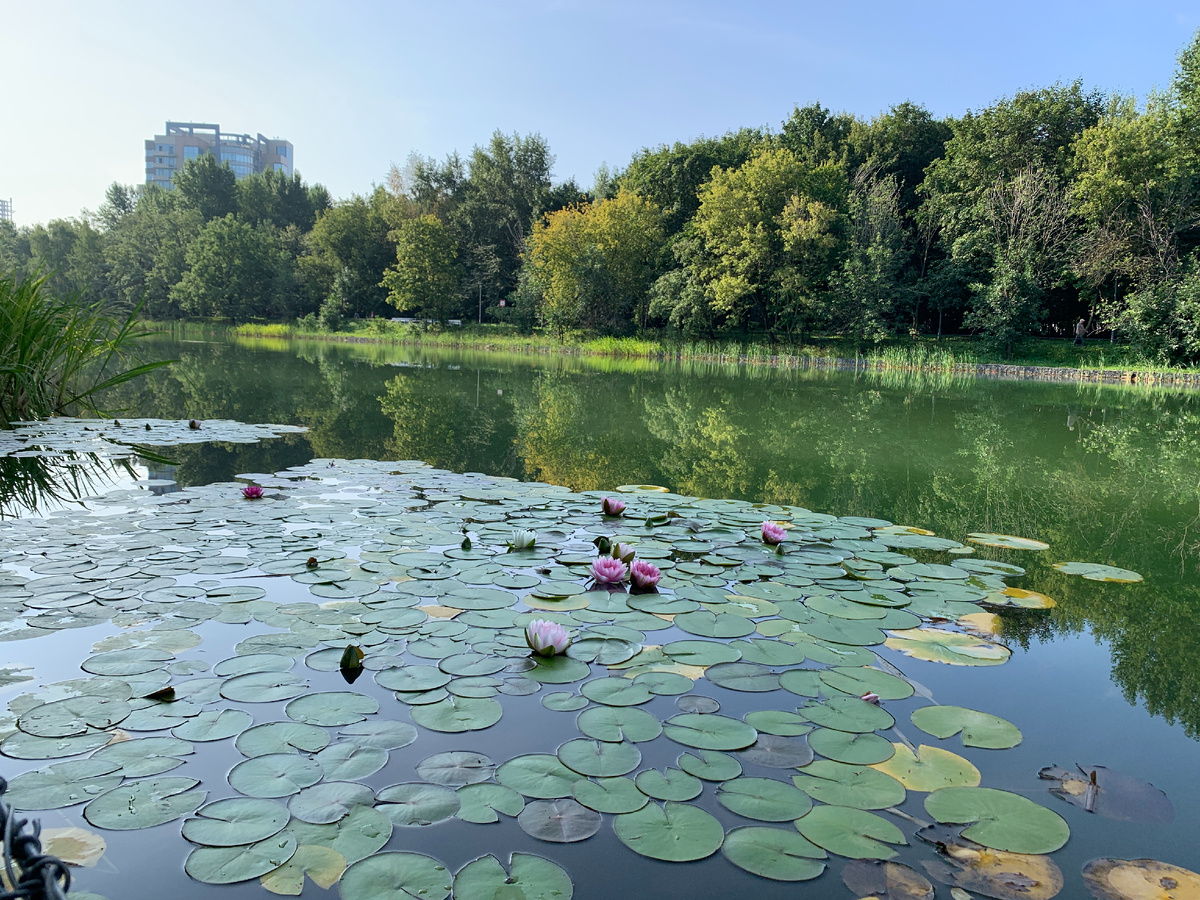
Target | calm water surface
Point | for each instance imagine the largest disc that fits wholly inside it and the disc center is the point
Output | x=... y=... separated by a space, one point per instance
x=1110 y=677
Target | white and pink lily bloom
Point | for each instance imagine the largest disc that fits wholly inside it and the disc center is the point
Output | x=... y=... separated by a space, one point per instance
x=547 y=638
x=773 y=533
x=612 y=507
x=609 y=570
x=622 y=551
x=644 y=575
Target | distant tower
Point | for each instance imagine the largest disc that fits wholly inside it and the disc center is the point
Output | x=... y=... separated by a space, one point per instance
x=6 y=210
x=245 y=154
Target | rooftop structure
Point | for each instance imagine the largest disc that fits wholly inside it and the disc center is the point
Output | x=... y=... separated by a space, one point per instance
x=244 y=154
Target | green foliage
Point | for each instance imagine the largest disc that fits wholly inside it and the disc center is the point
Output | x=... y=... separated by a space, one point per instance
x=425 y=277
x=58 y=355
x=204 y=184
x=233 y=270
x=1163 y=319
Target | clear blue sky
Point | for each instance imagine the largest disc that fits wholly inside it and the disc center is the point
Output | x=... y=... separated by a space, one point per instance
x=358 y=85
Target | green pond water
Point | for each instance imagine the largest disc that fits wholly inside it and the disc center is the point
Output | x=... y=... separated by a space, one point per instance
x=1109 y=676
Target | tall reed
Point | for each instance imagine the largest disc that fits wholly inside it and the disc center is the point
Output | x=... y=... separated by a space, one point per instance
x=58 y=355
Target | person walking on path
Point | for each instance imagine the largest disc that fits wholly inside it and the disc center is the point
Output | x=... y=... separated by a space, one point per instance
x=1080 y=331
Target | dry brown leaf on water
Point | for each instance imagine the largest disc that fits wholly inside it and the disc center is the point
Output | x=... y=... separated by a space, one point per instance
x=870 y=878
x=1139 y=879
x=74 y=846
x=996 y=873
x=440 y=612
x=984 y=624
x=1111 y=794
x=323 y=865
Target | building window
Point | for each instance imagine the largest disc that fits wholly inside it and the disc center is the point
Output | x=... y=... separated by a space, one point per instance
x=282 y=167
x=282 y=150
x=191 y=152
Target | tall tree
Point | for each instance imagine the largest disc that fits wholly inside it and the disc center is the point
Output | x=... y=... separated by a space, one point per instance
x=232 y=271
x=426 y=276
x=205 y=185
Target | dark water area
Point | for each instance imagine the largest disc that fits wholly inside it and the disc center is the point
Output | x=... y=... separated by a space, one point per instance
x=1109 y=676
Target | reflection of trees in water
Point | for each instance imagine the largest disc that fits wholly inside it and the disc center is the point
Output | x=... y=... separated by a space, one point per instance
x=31 y=484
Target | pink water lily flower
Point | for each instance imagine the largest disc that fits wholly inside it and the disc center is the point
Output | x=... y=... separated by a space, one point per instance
x=252 y=492
x=871 y=697
x=546 y=638
x=773 y=533
x=644 y=575
x=608 y=570
x=612 y=507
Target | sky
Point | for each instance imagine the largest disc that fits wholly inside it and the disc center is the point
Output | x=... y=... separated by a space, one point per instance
x=361 y=84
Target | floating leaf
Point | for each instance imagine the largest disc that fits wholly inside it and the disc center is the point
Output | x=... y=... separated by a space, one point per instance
x=418 y=803
x=561 y=821
x=849 y=747
x=840 y=784
x=481 y=803
x=999 y=819
x=773 y=853
x=850 y=832
x=281 y=737
x=774 y=721
x=710 y=765
x=364 y=831
x=73 y=716
x=538 y=775
x=274 y=775
x=930 y=769
x=322 y=865
x=144 y=804
x=859 y=680
x=616 y=692
x=1113 y=795
x=331 y=709
x=382 y=734
x=396 y=876
x=558 y=670
x=145 y=756
x=610 y=795
x=235 y=822
x=848 y=714
x=743 y=677
x=709 y=731
x=74 y=846
x=886 y=881
x=673 y=832
x=329 y=801
x=1099 y=572
x=1026 y=599
x=618 y=723
x=1139 y=879
x=214 y=725
x=764 y=799
x=456 y=714
x=264 y=687
x=561 y=701
x=1006 y=541
x=951 y=647
x=978 y=729
x=229 y=865
x=993 y=873
x=62 y=784
x=777 y=752
x=670 y=784
x=529 y=878
x=456 y=768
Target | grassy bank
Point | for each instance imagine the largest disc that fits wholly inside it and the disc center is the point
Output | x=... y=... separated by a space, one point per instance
x=950 y=355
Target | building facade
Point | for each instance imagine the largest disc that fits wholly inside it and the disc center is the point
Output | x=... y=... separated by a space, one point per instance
x=6 y=210
x=243 y=153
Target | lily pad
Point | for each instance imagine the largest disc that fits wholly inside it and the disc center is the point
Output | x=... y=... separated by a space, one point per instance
x=529 y=877
x=321 y=865
x=417 y=803
x=993 y=873
x=274 y=775
x=886 y=881
x=741 y=676
x=1006 y=541
x=600 y=759
x=850 y=747
x=1099 y=572
x=73 y=716
x=229 y=865
x=930 y=769
x=709 y=731
x=331 y=709
x=773 y=853
x=859 y=680
x=214 y=725
x=670 y=784
x=482 y=803
x=1139 y=879
x=456 y=768
x=560 y=821
x=848 y=714
x=384 y=734
x=978 y=729
x=610 y=795
x=950 y=647
x=264 y=687
x=538 y=775
x=850 y=832
x=999 y=819
x=764 y=799
x=840 y=784
x=281 y=737
x=235 y=822
x=364 y=831
x=145 y=756
x=673 y=832
x=457 y=714
x=618 y=723
x=144 y=804
x=63 y=784
x=561 y=701
x=396 y=876
x=776 y=752
x=329 y=801
x=616 y=692
x=710 y=765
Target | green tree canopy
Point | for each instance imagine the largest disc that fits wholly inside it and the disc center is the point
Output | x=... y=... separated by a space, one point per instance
x=426 y=275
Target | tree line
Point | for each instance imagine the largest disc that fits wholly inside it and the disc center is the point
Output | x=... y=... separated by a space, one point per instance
x=1049 y=206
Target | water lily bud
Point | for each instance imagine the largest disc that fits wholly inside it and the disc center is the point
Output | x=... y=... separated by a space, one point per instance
x=773 y=533
x=522 y=539
x=622 y=551
x=193 y=424
x=612 y=506
x=871 y=697
x=312 y=562
x=546 y=638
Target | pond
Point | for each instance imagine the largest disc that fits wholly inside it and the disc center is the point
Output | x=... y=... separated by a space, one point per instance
x=1105 y=677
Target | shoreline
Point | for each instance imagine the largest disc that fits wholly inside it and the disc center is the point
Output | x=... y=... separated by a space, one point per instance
x=996 y=371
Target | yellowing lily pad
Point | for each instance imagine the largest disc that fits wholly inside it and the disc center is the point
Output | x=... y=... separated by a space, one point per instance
x=949 y=647
x=1099 y=572
x=1139 y=879
x=930 y=769
x=1006 y=541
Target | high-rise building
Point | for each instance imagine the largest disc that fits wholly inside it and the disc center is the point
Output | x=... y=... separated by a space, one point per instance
x=245 y=154
x=6 y=210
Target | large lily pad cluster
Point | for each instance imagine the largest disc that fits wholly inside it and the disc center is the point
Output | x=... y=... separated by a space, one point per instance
x=372 y=555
